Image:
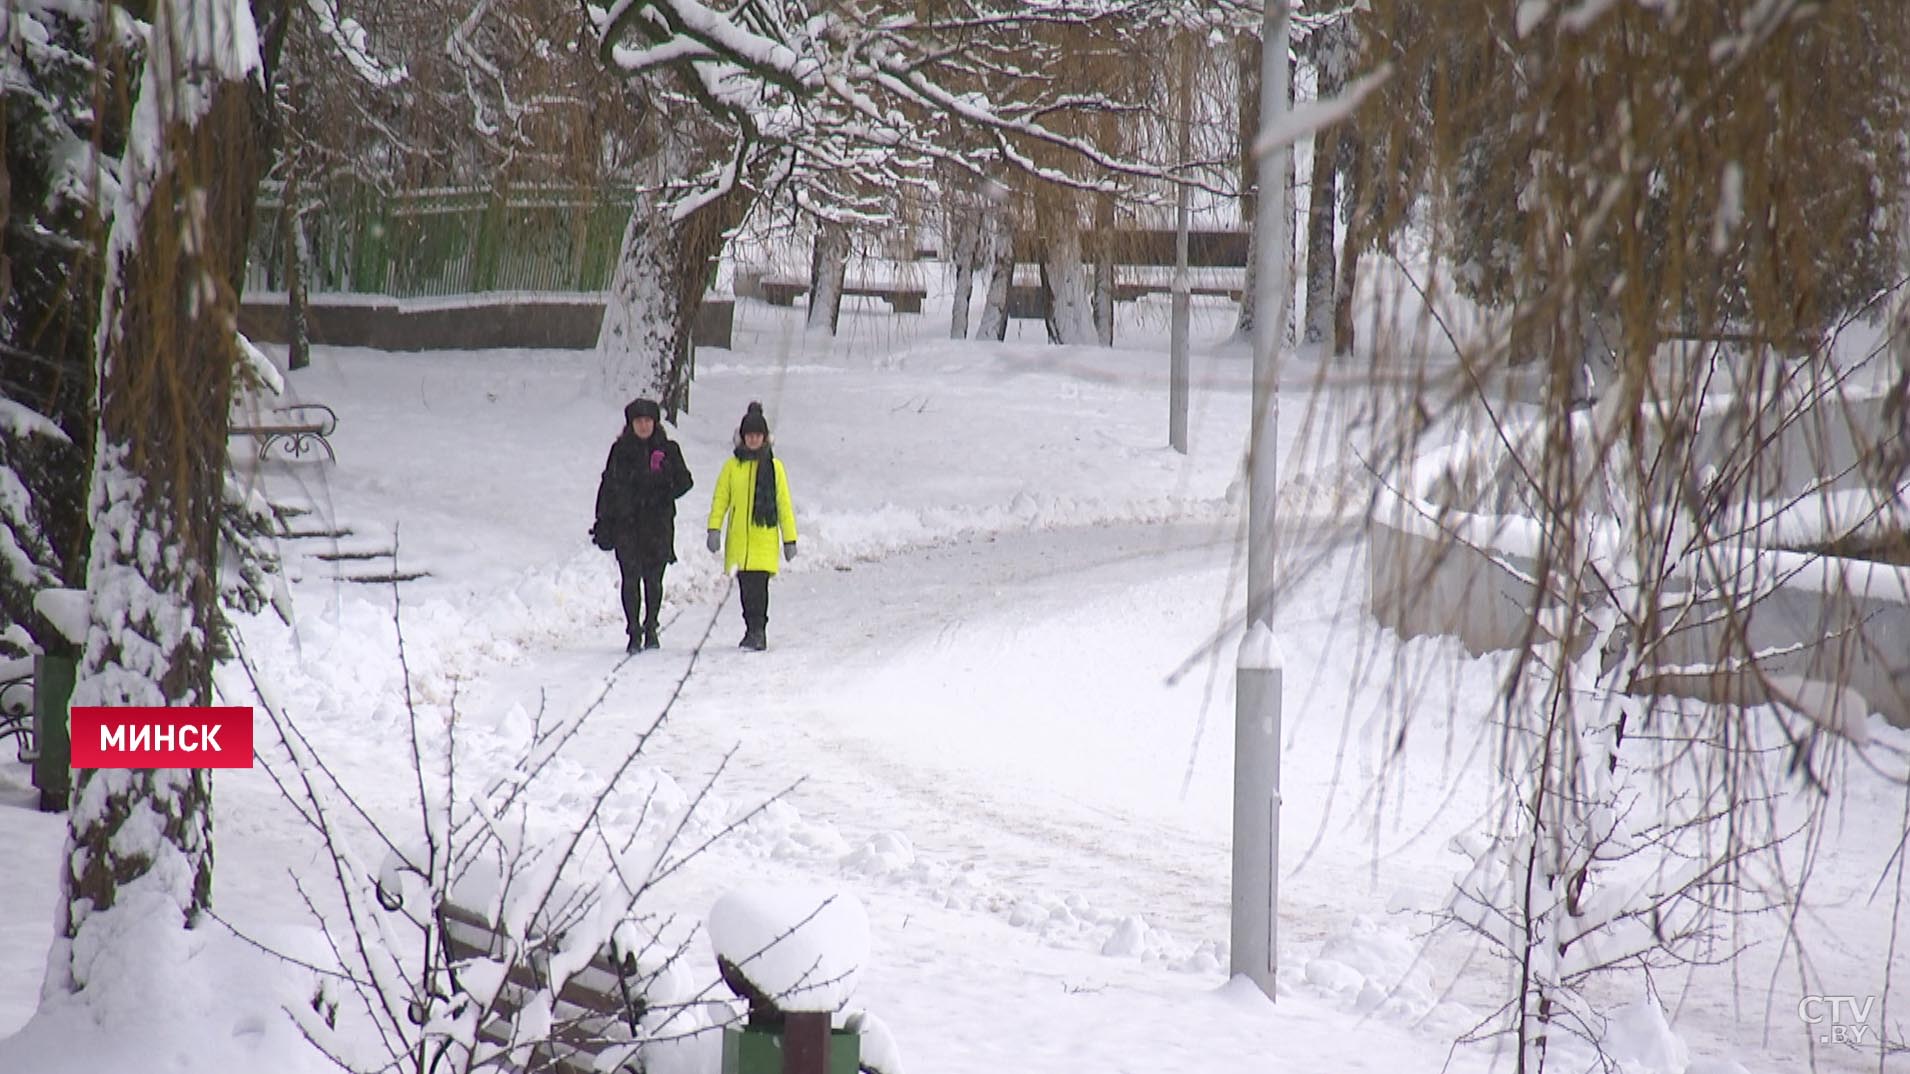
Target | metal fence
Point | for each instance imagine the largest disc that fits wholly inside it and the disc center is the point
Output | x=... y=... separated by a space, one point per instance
x=446 y=241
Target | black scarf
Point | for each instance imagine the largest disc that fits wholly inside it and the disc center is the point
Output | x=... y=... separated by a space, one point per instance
x=636 y=457
x=763 y=504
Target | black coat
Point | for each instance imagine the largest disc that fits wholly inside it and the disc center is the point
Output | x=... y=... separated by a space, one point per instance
x=636 y=499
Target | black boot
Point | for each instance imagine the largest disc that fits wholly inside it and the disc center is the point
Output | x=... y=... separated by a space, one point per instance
x=755 y=593
x=650 y=638
x=635 y=644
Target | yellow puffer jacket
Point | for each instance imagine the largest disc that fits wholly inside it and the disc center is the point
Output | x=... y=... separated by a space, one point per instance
x=747 y=546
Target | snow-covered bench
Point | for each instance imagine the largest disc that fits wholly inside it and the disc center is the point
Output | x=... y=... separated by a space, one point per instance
x=296 y=428
x=1135 y=281
x=599 y=1007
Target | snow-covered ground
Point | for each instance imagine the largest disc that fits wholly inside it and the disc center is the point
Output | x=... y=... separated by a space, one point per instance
x=1001 y=671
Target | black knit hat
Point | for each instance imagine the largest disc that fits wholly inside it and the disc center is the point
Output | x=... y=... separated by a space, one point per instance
x=753 y=421
x=642 y=408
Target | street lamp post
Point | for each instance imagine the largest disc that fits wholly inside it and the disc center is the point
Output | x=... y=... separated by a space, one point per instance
x=1254 y=934
x=1177 y=375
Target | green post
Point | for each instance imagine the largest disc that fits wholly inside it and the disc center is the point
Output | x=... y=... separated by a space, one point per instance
x=53 y=678
x=759 y=1050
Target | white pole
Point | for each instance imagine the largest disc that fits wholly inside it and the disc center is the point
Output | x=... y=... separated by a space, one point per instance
x=1256 y=873
x=1253 y=949
x=1177 y=332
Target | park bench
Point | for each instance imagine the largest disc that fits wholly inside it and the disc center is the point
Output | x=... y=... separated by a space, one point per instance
x=902 y=298
x=16 y=714
x=295 y=428
x=1723 y=337
x=1027 y=300
x=1128 y=292
x=593 y=1004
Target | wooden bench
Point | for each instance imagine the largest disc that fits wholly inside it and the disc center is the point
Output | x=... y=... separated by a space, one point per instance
x=294 y=428
x=16 y=715
x=599 y=1007
x=1027 y=301
x=902 y=298
x=1726 y=337
x=1128 y=292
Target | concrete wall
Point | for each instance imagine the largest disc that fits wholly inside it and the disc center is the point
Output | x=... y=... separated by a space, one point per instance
x=1422 y=583
x=1821 y=619
x=469 y=322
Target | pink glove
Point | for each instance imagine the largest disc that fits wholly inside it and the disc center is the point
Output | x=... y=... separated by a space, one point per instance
x=656 y=461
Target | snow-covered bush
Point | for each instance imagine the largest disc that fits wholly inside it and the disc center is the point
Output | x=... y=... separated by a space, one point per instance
x=478 y=937
x=1595 y=861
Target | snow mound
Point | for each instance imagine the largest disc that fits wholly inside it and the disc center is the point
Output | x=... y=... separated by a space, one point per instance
x=1373 y=969
x=883 y=855
x=879 y=1052
x=1641 y=1041
x=802 y=947
x=780 y=831
x=1129 y=939
x=1209 y=956
x=66 y=609
x=160 y=997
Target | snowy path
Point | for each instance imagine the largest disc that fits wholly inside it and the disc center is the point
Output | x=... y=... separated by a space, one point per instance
x=1058 y=814
x=984 y=727
x=803 y=710
x=1000 y=708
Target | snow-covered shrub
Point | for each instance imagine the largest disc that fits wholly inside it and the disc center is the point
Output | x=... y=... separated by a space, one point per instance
x=1601 y=855
x=477 y=936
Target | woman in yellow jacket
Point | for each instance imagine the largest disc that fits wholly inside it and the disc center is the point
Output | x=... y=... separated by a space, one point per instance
x=752 y=499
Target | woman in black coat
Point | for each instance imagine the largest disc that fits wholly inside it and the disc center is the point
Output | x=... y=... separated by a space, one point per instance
x=636 y=514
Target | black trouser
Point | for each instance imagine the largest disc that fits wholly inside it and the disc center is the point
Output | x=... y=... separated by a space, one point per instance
x=642 y=587
x=755 y=587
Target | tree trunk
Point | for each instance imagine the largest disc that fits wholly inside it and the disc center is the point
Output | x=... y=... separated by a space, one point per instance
x=1104 y=269
x=828 y=263
x=1104 y=245
x=1354 y=154
x=1322 y=275
x=1289 y=331
x=174 y=262
x=965 y=252
x=644 y=344
x=1247 y=90
x=1250 y=170
x=1250 y=176
x=298 y=258
x=1001 y=276
x=1070 y=318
